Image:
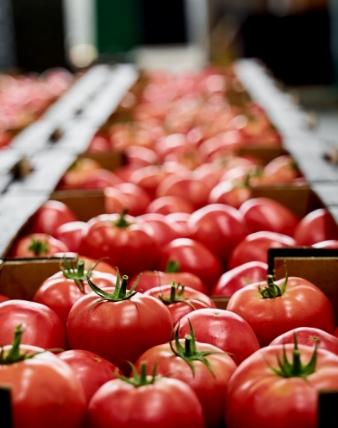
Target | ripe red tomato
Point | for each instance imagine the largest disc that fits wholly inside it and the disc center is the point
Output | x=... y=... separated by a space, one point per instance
x=266 y=390
x=71 y=234
x=50 y=216
x=239 y=277
x=193 y=257
x=180 y=300
x=170 y=204
x=61 y=290
x=42 y=327
x=308 y=336
x=267 y=214
x=179 y=221
x=163 y=231
x=219 y=228
x=331 y=243
x=78 y=173
x=133 y=198
x=317 y=226
x=223 y=329
x=142 y=402
x=282 y=306
x=126 y=241
x=281 y=169
x=254 y=247
x=231 y=193
x=118 y=326
x=91 y=369
x=141 y=156
x=203 y=367
x=44 y=389
x=38 y=245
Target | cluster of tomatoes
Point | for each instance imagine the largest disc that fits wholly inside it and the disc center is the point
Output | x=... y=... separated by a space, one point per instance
x=153 y=349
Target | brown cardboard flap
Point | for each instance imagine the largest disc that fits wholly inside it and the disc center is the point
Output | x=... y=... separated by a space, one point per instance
x=20 y=279
x=265 y=154
x=108 y=160
x=220 y=302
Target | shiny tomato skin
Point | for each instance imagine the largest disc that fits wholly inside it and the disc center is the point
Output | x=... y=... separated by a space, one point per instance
x=219 y=228
x=254 y=247
x=138 y=198
x=239 y=277
x=178 y=310
x=302 y=305
x=331 y=243
x=132 y=249
x=223 y=329
x=60 y=293
x=168 y=403
x=48 y=384
x=317 y=226
x=163 y=231
x=71 y=234
x=35 y=319
x=118 y=331
x=50 y=216
x=192 y=257
x=267 y=214
x=209 y=389
x=179 y=221
x=170 y=204
x=230 y=192
x=309 y=337
x=258 y=398
x=101 y=266
x=91 y=369
x=151 y=279
x=21 y=248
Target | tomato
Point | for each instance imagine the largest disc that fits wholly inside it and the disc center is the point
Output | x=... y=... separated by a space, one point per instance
x=219 y=228
x=42 y=326
x=163 y=231
x=44 y=389
x=282 y=306
x=267 y=214
x=137 y=199
x=180 y=300
x=179 y=220
x=99 y=265
x=203 y=367
x=254 y=247
x=50 y=216
x=193 y=257
x=118 y=326
x=308 y=336
x=316 y=226
x=91 y=369
x=38 y=245
x=71 y=234
x=3 y=298
x=61 y=290
x=170 y=204
x=99 y=179
x=239 y=277
x=80 y=170
x=141 y=156
x=223 y=329
x=331 y=243
x=126 y=241
x=281 y=390
x=281 y=169
x=143 y=402
x=99 y=144
x=231 y=193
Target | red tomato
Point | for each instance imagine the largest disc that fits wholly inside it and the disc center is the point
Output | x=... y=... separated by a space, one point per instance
x=3 y=298
x=230 y=193
x=179 y=221
x=42 y=327
x=126 y=242
x=50 y=216
x=40 y=380
x=99 y=144
x=119 y=326
x=281 y=169
x=99 y=265
x=308 y=336
x=145 y=403
x=219 y=228
x=141 y=156
x=78 y=173
x=180 y=300
x=331 y=243
x=91 y=369
x=255 y=247
x=71 y=234
x=163 y=231
x=282 y=306
x=136 y=199
x=38 y=245
x=223 y=329
x=267 y=214
x=259 y=397
x=170 y=204
x=192 y=257
x=203 y=367
x=61 y=290
x=99 y=179
x=317 y=226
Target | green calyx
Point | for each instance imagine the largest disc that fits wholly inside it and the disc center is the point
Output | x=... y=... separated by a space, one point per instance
x=14 y=355
x=120 y=292
x=139 y=379
x=38 y=247
x=273 y=290
x=122 y=223
x=189 y=353
x=295 y=368
x=172 y=267
x=75 y=270
x=176 y=296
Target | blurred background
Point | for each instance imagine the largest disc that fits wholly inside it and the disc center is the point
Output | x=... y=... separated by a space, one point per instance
x=296 y=39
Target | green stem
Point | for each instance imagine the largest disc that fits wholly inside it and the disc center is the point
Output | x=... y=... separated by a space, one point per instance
x=187 y=346
x=172 y=267
x=38 y=247
x=122 y=223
